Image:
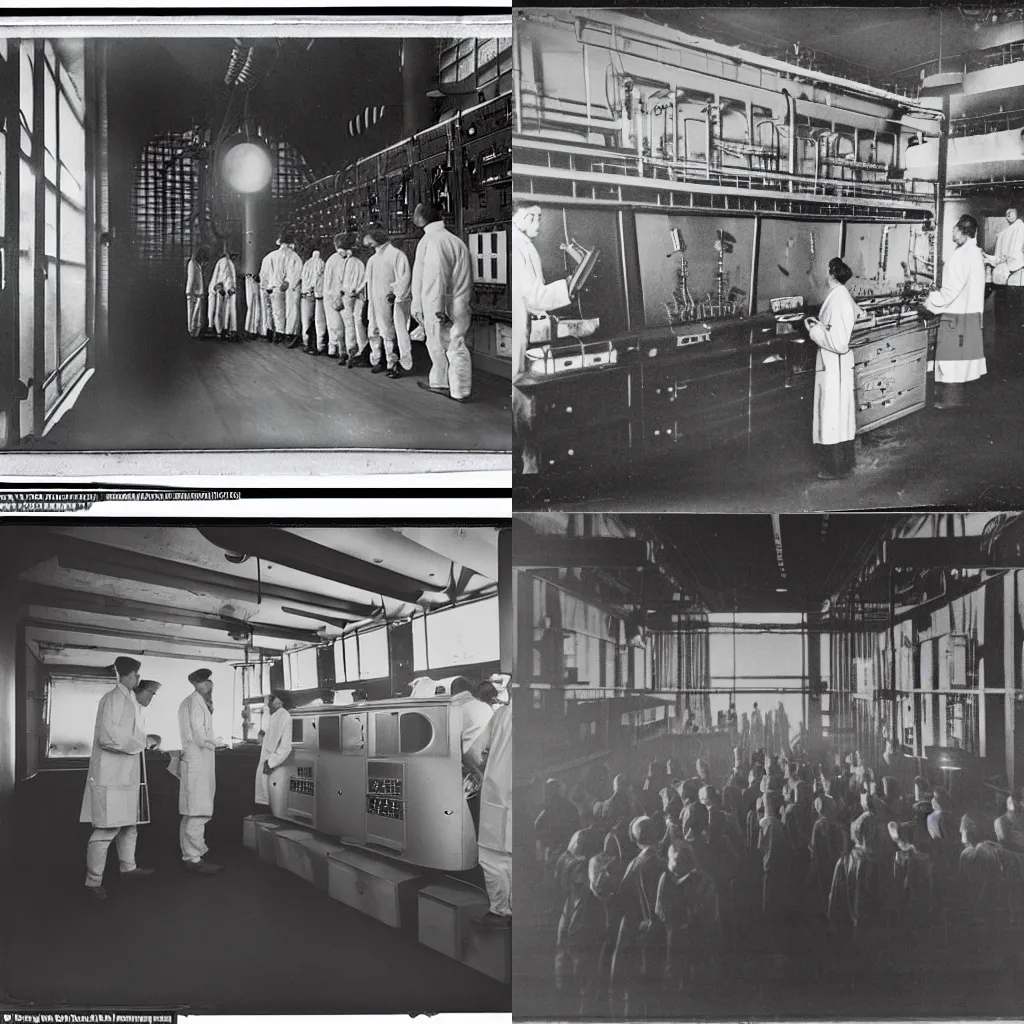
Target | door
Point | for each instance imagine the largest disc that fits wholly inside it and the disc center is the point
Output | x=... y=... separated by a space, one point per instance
x=341 y=777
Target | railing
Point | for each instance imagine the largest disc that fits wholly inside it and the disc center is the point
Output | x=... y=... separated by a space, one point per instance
x=616 y=163
x=986 y=124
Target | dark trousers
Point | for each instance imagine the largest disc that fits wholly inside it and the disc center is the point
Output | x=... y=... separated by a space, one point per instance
x=1008 y=306
x=836 y=459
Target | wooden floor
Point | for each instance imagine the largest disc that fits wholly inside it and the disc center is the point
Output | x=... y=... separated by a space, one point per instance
x=253 y=395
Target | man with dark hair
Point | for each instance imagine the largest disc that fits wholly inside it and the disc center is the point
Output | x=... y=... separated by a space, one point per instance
x=344 y=288
x=111 y=799
x=388 y=291
x=442 y=290
x=960 y=304
x=530 y=298
x=1009 y=827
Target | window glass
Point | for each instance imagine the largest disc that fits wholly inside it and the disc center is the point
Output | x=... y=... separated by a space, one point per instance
x=352 y=658
x=463 y=635
x=304 y=670
x=339 y=663
x=419 y=644
x=373 y=654
x=50 y=125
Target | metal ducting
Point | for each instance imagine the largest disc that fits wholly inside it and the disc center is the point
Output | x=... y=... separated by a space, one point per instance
x=308 y=556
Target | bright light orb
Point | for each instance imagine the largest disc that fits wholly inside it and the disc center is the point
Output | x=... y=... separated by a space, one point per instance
x=247 y=167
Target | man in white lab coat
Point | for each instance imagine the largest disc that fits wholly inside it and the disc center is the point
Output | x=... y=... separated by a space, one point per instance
x=264 y=282
x=111 y=799
x=198 y=772
x=388 y=291
x=283 y=283
x=272 y=772
x=530 y=297
x=344 y=302
x=442 y=291
x=195 y=293
x=474 y=715
x=223 y=288
x=1007 y=263
x=495 y=832
x=960 y=305
x=313 y=304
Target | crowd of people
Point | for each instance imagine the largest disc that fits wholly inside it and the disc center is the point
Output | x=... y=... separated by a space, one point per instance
x=355 y=306
x=663 y=885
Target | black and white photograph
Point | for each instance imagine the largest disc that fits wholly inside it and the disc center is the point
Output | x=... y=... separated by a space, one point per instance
x=768 y=258
x=250 y=767
x=769 y=765
x=277 y=246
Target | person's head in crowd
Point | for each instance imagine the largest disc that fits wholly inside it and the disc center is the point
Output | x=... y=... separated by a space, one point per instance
x=146 y=691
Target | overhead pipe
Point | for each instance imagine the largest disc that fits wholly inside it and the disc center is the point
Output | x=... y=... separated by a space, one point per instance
x=307 y=556
x=791 y=122
x=676 y=38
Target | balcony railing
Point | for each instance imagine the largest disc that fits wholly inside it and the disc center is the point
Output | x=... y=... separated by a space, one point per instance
x=986 y=124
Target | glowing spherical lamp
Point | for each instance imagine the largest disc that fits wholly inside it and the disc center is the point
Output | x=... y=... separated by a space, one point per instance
x=247 y=167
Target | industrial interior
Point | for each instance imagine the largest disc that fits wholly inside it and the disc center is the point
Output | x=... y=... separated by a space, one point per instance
x=695 y=171
x=877 y=656
x=358 y=847
x=146 y=181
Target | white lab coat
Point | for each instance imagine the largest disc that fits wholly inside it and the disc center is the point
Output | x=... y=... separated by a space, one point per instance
x=198 y=764
x=474 y=716
x=834 y=411
x=195 y=294
x=496 y=792
x=272 y=789
x=266 y=287
x=312 y=287
x=387 y=273
x=1010 y=247
x=223 y=315
x=529 y=295
x=285 y=265
x=962 y=296
x=254 y=304
x=111 y=796
x=344 y=282
x=442 y=282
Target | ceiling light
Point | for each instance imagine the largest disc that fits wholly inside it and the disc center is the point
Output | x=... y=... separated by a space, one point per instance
x=235 y=557
x=781 y=590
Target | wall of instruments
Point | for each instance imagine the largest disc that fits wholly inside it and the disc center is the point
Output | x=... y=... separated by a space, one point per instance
x=688 y=332
x=707 y=186
x=463 y=165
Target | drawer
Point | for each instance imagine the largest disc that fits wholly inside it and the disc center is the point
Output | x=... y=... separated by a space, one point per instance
x=602 y=397
x=885 y=350
x=890 y=380
x=885 y=409
x=599 y=449
x=721 y=425
x=377 y=887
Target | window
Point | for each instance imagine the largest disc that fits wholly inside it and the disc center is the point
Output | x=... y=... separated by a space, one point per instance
x=482 y=59
x=72 y=716
x=373 y=654
x=463 y=635
x=304 y=674
x=165 y=189
x=419 y=644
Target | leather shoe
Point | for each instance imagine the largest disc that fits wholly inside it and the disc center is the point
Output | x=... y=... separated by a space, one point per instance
x=395 y=372
x=138 y=873
x=96 y=892
x=295 y=342
x=379 y=368
x=437 y=391
x=343 y=359
x=203 y=867
x=361 y=360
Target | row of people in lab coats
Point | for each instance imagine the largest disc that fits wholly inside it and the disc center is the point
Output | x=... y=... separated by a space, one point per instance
x=323 y=302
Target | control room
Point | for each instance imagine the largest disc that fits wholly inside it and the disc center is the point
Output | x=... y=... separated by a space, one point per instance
x=770 y=258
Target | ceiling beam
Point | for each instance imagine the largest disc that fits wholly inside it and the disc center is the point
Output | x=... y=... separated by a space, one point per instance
x=118 y=634
x=76 y=600
x=307 y=556
x=103 y=560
